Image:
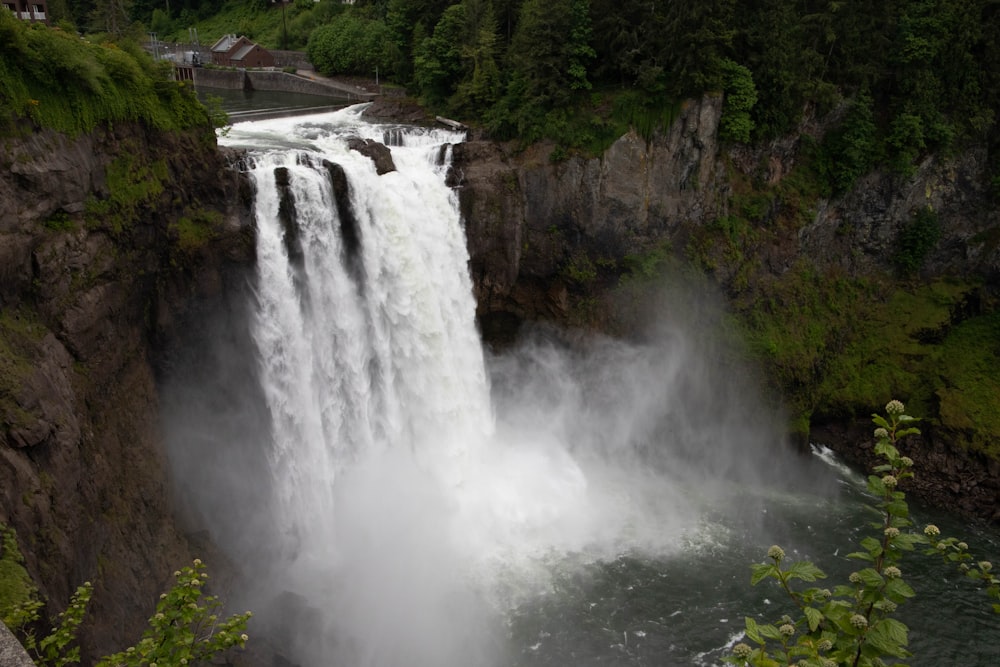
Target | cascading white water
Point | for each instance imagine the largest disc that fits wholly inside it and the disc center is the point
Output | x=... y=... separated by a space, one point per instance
x=408 y=506
x=403 y=510
x=383 y=357
x=393 y=497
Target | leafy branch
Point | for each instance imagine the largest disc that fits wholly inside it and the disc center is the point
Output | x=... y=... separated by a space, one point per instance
x=184 y=630
x=853 y=625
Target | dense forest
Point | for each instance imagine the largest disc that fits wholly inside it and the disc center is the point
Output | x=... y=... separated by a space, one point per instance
x=905 y=77
x=862 y=86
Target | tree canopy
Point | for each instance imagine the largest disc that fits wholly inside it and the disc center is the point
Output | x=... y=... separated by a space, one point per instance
x=913 y=76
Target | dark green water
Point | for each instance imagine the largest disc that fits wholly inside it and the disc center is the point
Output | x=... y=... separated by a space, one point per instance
x=688 y=609
x=237 y=102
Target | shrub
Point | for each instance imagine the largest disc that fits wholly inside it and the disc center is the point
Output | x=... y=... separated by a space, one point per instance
x=184 y=630
x=915 y=241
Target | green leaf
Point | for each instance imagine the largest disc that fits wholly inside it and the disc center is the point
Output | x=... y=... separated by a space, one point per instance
x=870 y=578
x=880 y=421
x=805 y=571
x=768 y=631
x=875 y=486
x=752 y=633
x=898 y=508
x=872 y=546
x=814 y=617
x=908 y=541
x=762 y=571
x=886 y=449
x=898 y=588
x=861 y=555
x=764 y=661
x=889 y=637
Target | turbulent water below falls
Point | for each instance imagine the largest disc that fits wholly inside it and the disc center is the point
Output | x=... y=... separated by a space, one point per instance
x=399 y=496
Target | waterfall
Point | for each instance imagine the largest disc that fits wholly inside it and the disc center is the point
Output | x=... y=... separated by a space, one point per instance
x=395 y=494
x=364 y=330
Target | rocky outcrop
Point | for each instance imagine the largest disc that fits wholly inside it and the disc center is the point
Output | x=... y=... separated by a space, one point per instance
x=535 y=225
x=945 y=476
x=378 y=153
x=12 y=654
x=103 y=239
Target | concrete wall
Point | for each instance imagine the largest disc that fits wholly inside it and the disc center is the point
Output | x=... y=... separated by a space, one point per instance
x=296 y=59
x=262 y=80
x=274 y=80
x=220 y=78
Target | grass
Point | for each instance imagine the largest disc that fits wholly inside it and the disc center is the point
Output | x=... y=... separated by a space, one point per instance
x=194 y=230
x=131 y=183
x=16 y=586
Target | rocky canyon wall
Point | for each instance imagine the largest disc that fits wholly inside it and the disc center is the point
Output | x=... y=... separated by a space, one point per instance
x=103 y=240
x=531 y=221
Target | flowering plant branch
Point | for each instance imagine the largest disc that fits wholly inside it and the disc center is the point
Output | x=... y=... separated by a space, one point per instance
x=184 y=630
x=853 y=625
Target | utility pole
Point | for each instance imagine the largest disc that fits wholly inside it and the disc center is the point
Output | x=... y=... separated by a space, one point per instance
x=284 y=27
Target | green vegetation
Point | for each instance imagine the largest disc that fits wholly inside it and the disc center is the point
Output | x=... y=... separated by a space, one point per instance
x=19 y=336
x=131 y=183
x=832 y=344
x=904 y=79
x=183 y=630
x=16 y=588
x=72 y=85
x=854 y=624
x=194 y=230
x=916 y=239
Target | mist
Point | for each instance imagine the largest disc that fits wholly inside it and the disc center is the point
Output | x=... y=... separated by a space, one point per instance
x=388 y=492
x=596 y=447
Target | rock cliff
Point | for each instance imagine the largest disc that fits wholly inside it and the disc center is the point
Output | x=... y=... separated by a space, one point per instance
x=530 y=220
x=103 y=239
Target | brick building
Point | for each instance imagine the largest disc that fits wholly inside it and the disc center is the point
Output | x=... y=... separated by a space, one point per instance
x=233 y=51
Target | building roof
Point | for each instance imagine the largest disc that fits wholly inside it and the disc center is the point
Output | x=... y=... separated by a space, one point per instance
x=242 y=53
x=225 y=43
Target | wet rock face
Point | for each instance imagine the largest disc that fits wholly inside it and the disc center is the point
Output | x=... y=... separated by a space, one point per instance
x=83 y=307
x=378 y=153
